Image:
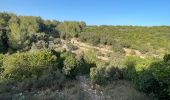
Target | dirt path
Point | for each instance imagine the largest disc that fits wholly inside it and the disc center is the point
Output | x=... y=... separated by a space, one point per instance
x=94 y=94
x=85 y=45
x=105 y=49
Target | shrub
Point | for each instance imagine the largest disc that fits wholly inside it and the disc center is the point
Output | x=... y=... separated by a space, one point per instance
x=70 y=64
x=139 y=63
x=103 y=73
x=113 y=73
x=130 y=72
x=29 y=64
x=161 y=72
x=83 y=66
x=71 y=47
x=96 y=76
x=48 y=79
x=1 y=61
x=155 y=80
x=90 y=56
x=146 y=82
x=167 y=58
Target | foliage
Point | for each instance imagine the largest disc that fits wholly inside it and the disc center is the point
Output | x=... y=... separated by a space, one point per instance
x=167 y=58
x=144 y=39
x=90 y=57
x=104 y=73
x=139 y=63
x=153 y=80
x=130 y=72
x=36 y=69
x=83 y=66
x=1 y=62
x=25 y=65
x=24 y=30
x=71 y=29
x=113 y=73
x=4 y=18
x=161 y=72
x=69 y=64
x=96 y=76
x=3 y=40
x=146 y=81
x=71 y=47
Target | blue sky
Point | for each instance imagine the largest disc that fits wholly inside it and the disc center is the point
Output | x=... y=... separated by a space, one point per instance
x=95 y=12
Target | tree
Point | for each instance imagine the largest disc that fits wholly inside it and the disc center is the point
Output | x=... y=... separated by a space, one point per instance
x=71 y=29
x=4 y=40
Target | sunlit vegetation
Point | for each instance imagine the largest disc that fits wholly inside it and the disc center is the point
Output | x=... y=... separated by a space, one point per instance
x=38 y=59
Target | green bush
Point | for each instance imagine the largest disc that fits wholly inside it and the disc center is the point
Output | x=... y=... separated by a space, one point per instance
x=90 y=56
x=29 y=64
x=103 y=73
x=97 y=76
x=146 y=82
x=1 y=61
x=155 y=79
x=167 y=58
x=113 y=73
x=139 y=63
x=83 y=66
x=69 y=64
x=130 y=72
x=73 y=65
x=161 y=72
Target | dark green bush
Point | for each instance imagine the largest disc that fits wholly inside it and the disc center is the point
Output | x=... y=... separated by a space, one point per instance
x=69 y=64
x=1 y=61
x=167 y=58
x=161 y=72
x=113 y=73
x=146 y=82
x=73 y=65
x=130 y=72
x=83 y=66
x=30 y=64
x=104 y=73
x=153 y=80
x=97 y=76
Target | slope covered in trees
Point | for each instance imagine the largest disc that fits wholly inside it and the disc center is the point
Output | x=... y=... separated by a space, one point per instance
x=141 y=38
x=24 y=29
x=36 y=55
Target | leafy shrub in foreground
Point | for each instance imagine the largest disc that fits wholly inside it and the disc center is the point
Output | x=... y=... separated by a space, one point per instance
x=25 y=65
x=104 y=73
x=153 y=80
x=146 y=82
x=161 y=72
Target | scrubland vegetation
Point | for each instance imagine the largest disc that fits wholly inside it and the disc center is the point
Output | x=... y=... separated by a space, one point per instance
x=39 y=61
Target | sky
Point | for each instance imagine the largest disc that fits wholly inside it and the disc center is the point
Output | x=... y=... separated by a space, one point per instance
x=94 y=12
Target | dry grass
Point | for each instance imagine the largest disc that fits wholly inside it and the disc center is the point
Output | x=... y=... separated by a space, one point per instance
x=122 y=90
